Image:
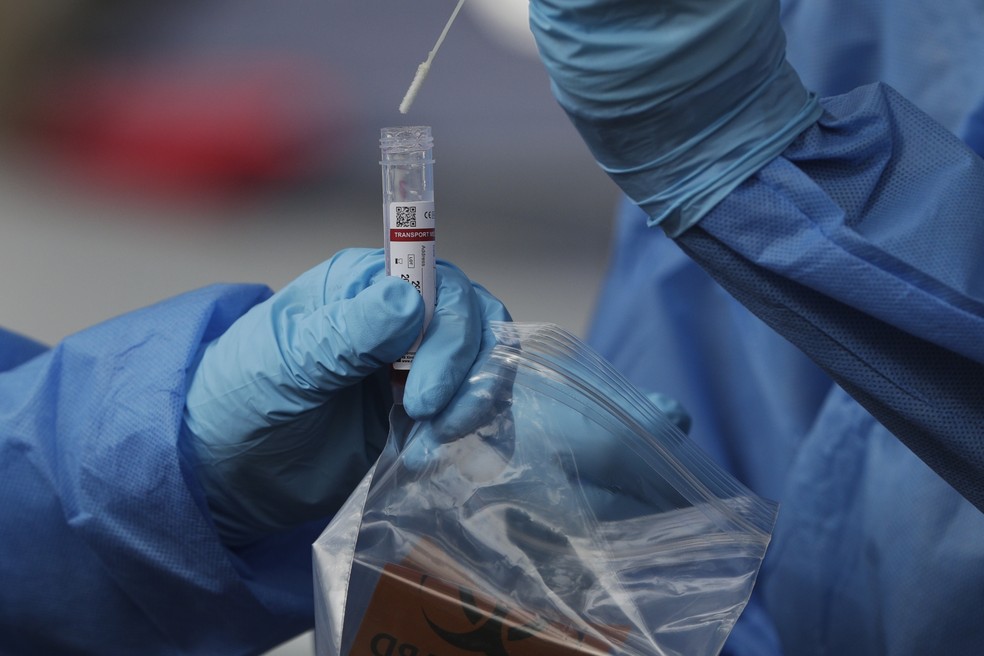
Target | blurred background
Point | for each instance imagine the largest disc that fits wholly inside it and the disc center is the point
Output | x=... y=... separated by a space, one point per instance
x=151 y=148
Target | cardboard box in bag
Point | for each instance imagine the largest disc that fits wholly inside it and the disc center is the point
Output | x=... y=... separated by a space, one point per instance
x=414 y=612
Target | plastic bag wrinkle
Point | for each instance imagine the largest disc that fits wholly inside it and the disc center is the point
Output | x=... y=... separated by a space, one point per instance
x=552 y=497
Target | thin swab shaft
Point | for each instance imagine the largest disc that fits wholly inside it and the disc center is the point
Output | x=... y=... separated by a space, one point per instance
x=424 y=68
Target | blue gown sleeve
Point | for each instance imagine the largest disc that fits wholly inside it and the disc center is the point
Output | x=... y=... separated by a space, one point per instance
x=16 y=349
x=107 y=545
x=862 y=245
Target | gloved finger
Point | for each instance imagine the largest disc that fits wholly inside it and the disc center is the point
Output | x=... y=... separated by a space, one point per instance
x=345 y=275
x=479 y=411
x=492 y=308
x=606 y=457
x=345 y=341
x=451 y=343
x=267 y=370
x=673 y=410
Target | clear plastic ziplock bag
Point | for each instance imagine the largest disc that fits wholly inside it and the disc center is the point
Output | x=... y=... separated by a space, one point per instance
x=551 y=509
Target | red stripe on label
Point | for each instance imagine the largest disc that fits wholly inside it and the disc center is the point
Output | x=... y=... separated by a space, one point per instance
x=412 y=234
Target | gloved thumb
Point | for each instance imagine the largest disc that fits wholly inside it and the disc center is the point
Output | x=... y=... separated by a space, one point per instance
x=285 y=357
x=345 y=341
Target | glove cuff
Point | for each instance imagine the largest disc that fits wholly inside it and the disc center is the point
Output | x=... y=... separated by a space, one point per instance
x=680 y=102
x=678 y=185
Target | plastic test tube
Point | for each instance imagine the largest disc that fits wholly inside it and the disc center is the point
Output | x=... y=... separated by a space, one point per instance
x=408 y=218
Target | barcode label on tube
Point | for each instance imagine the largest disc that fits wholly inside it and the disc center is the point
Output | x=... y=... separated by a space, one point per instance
x=410 y=256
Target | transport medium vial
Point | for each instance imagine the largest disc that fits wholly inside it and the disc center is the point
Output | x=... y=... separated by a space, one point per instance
x=408 y=217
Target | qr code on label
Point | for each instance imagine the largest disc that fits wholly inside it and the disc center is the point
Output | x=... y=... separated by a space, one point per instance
x=406 y=217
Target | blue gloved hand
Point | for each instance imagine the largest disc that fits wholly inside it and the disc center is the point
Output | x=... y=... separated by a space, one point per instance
x=679 y=100
x=494 y=427
x=535 y=395
x=288 y=408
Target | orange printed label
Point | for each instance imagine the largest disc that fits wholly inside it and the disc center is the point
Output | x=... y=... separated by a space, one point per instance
x=413 y=613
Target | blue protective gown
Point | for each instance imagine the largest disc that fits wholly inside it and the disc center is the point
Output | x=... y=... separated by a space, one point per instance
x=860 y=248
x=930 y=52
x=107 y=545
x=882 y=285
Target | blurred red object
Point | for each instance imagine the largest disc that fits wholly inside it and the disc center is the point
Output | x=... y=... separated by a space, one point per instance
x=202 y=128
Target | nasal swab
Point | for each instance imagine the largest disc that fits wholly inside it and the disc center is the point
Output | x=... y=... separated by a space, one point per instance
x=424 y=68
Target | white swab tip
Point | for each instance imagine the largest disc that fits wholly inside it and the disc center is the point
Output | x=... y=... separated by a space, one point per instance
x=418 y=81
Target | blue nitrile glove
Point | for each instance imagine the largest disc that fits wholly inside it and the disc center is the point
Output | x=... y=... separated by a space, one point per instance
x=673 y=410
x=678 y=100
x=611 y=476
x=484 y=421
x=288 y=409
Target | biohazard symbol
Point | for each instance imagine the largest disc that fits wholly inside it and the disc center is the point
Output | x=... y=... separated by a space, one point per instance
x=412 y=613
x=492 y=632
